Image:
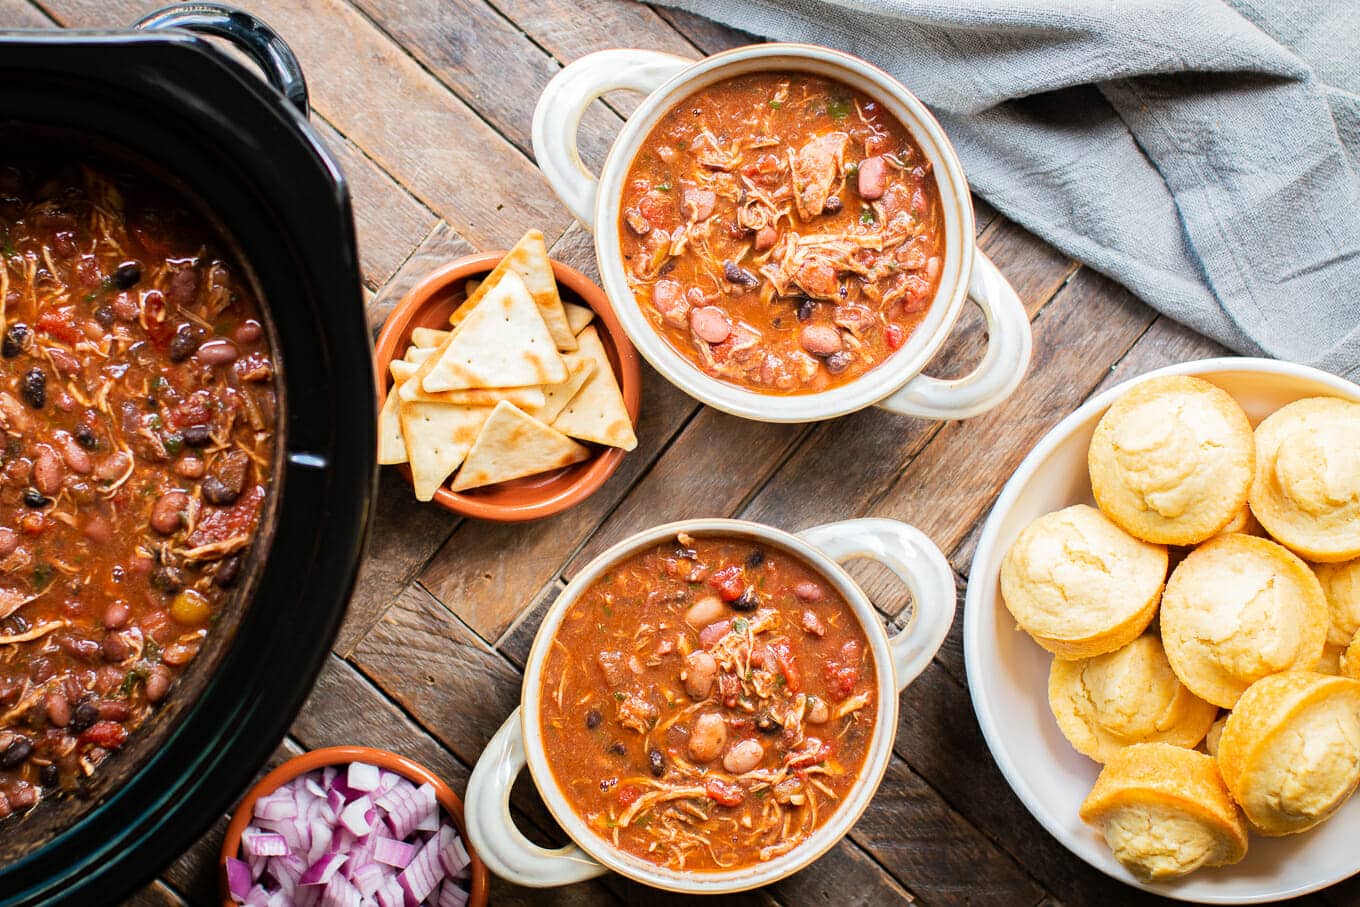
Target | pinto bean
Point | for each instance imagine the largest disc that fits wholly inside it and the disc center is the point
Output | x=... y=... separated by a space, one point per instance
x=116 y=647
x=701 y=669
x=58 y=709
x=705 y=611
x=808 y=591
x=873 y=178
x=9 y=540
x=820 y=339
x=743 y=756
x=218 y=352
x=112 y=467
x=98 y=529
x=817 y=711
x=47 y=470
x=189 y=467
x=247 y=332
x=167 y=514
x=116 y=614
x=77 y=460
x=707 y=739
x=157 y=684
x=710 y=324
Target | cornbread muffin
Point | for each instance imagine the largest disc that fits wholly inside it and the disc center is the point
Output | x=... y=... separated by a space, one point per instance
x=1131 y=695
x=1215 y=732
x=1172 y=460
x=1341 y=586
x=1237 y=609
x=1242 y=522
x=1079 y=584
x=1290 y=751
x=1164 y=811
x=1307 y=488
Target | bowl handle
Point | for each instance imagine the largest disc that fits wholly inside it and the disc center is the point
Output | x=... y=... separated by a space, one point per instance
x=907 y=552
x=557 y=118
x=1002 y=366
x=252 y=36
x=491 y=829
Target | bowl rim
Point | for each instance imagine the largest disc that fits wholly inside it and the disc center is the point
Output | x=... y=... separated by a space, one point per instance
x=629 y=376
x=926 y=340
x=343 y=755
x=848 y=812
x=974 y=619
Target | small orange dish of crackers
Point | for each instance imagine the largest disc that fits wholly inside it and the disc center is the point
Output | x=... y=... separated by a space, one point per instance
x=508 y=390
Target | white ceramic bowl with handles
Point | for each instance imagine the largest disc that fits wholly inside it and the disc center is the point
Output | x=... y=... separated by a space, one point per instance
x=897 y=659
x=1008 y=672
x=896 y=384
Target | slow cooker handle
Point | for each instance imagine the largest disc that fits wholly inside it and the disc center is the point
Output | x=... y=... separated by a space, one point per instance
x=260 y=42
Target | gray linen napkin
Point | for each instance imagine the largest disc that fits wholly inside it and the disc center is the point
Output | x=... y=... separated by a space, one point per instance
x=1203 y=153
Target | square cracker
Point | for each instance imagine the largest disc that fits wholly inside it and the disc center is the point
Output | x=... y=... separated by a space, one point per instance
x=529 y=259
x=438 y=437
x=503 y=342
x=597 y=412
x=513 y=444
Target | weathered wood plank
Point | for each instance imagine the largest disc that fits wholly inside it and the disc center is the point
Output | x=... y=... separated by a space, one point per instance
x=439 y=247
x=705 y=34
x=157 y=894
x=403 y=118
x=23 y=14
x=388 y=220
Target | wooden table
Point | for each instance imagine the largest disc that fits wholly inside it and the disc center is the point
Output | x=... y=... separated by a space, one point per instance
x=427 y=103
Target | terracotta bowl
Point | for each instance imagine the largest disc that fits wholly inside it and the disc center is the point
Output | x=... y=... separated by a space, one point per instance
x=343 y=755
x=429 y=304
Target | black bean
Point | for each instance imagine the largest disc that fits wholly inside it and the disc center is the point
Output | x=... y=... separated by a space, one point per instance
x=747 y=601
x=104 y=315
x=15 y=339
x=739 y=275
x=833 y=204
x=183 y=344
x=128 y=275
x=618 y=749
x=837 y=362
x=593 y=719
x=755 y=558
x=86 y=714
x=216 y=492
x=806 y=307
x=35 y=498
x=227 y=572
x=656 y=763
x=33 y=388
x=49 y=775
x=766 y=723
x=17 y=753
x=86 y=437
x=167 y=578
x=197 y=435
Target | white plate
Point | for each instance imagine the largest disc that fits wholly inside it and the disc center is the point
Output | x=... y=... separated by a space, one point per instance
x=1008 y=672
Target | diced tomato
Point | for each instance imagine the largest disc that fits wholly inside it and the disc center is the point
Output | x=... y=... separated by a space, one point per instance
x=729 y=689
x=628 y=793
x=895 y=336
x=788 y=665
x=59 y=323
x=714 y=632
x=813 y=751
x=159 y=327
x=730 y=582
x=108 y=734
x=222 y=523
x=724 y=794
x=196 y=409
x=843 y=676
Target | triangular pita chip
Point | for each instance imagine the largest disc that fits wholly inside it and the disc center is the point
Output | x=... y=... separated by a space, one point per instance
x=501 y=343
x=597 y=412
x=557 y=396
x=391 y=446
x=438 y=437
x=418 y=354
x=528 y=259
x=428 y=336
x=578 y=316
x=513 y=444
x=403 y=374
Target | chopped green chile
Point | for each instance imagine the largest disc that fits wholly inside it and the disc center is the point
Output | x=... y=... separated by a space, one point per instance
x=782 y=231
x=108 y=551
x=698 y=737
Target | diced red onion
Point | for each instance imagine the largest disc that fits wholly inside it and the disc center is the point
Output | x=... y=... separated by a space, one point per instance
x=363 y=777
x=453 y=856
x=393 y=852
x=264 y=844
x=275 y=807
x=238 y=878
x=257 y=897
x=390 y=894
x=424 y=873
x=340 y=893
x=320 y=872
x=452 y=895
x=354 y=816
x=368 y=878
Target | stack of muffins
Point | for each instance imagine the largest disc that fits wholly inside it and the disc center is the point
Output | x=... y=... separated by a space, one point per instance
x=1258 y=618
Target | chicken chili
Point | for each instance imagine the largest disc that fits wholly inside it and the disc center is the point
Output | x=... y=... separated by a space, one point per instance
x=708 y=703
x=137 y=404
x=783 y=231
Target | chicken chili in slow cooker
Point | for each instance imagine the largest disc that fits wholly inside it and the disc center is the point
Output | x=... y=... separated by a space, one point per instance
x=137 y=402
x=782 y=231
x=708 y=703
